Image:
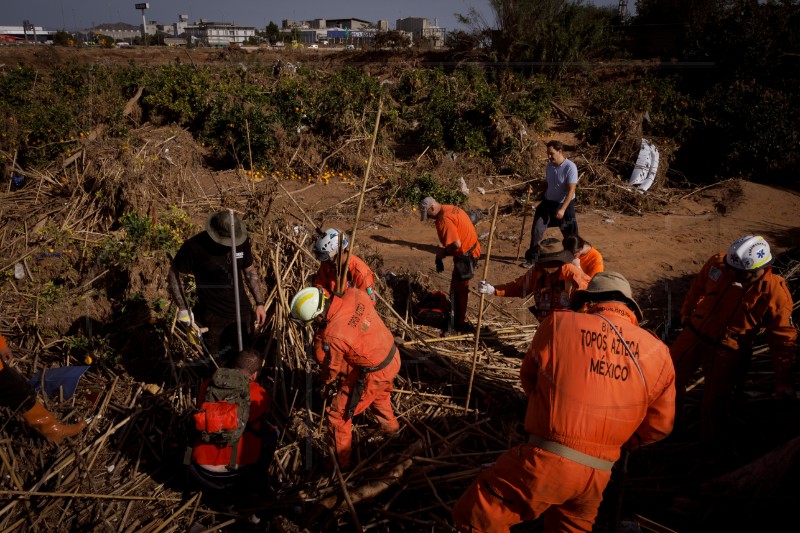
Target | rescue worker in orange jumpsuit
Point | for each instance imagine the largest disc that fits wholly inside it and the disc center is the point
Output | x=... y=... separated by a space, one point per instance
x=734 y=296
x=458 y=238
x=358 y=356
x=210 y=465
x=595 y=382
x=586 y=256
x=551 y=280
x=17 y=394
x=359 y=275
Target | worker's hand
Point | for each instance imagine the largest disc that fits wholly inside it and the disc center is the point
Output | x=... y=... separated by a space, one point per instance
x=560 y=213
x=185 y=317
x=484 y=287
x=439 y=264
x=6 y=355
x=330 y=389
x=261 y=315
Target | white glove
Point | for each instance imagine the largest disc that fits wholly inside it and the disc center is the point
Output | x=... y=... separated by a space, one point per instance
x=484 y=287
x=185 y=317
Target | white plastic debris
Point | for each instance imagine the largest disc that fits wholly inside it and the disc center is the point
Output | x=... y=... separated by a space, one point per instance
x=481 y=190
x=464 y=187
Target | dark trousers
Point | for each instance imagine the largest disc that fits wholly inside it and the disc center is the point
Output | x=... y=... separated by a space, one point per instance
x=545 y=217
x=222 y=339
x=15 y=391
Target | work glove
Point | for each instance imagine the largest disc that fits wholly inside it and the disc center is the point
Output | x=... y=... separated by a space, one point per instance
x=439 y=265
x=484 y=287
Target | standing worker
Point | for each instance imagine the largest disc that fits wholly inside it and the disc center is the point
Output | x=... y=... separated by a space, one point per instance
x=596 y=382
x=359 y=275
x=458 y=237
x=551 y=280
x=557 y=207
x=207 y=256
x=734 y=296
x=18 y=395
x=359 y=360
x=586 y=256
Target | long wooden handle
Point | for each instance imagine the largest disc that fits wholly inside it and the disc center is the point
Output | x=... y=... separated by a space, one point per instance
x=480 y=309
x=343 y=272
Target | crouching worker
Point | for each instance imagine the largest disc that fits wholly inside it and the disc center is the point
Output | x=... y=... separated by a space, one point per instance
x=17 y=394
x=235 y=443
x=359 y=360
x=596 y=382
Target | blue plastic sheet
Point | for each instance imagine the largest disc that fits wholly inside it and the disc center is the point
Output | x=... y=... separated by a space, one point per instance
x=54 y=378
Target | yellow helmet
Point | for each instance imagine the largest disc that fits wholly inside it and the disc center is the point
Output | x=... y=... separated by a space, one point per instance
x=308 y=304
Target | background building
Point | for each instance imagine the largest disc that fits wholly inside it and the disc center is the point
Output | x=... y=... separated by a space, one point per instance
x=421 y=28
x=219 y=33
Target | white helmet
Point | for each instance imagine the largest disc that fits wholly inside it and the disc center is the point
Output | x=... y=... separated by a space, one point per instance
x=327 y=246
x=749 y=253
x=308 y=304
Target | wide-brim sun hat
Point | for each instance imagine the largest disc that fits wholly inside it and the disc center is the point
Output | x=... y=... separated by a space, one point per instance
x=552 y=250
x=605 y=285
x=218 y=226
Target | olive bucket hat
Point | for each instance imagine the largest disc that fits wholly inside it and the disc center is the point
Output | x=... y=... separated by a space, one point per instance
x=609 y=285
x=551 y=250
x=218 y=226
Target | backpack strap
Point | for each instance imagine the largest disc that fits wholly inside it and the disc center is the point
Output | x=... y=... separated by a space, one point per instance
x=234 y=453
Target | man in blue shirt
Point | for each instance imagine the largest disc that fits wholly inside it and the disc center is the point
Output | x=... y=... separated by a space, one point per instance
x=557 y=208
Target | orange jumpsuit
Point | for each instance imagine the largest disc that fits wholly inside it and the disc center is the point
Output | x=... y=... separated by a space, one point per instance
x=454 y=225
x=551 y=291
x=585 y=393
x=591 y=262
x=721 y=319
x=355 y=339
x=359 y=276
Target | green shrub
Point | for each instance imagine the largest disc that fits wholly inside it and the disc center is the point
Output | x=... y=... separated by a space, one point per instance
x=413 y=189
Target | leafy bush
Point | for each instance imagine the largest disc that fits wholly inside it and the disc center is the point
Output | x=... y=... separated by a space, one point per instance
x=412 y=190
x=142 y=235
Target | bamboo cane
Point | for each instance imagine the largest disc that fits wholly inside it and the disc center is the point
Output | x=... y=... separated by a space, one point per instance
x=528 y=193
x=340 y=281
x=480 y=309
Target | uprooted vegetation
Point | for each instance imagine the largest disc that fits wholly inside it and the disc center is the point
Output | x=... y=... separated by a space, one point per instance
x=102 y=200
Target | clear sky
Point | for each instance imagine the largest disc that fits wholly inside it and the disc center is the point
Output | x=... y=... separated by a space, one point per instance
x=82 y=14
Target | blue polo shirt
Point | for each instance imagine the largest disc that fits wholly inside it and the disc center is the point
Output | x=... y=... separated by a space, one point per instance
x=559 y=177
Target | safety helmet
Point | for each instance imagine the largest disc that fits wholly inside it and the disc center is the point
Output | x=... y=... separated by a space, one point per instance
x=749 y=253
x=308 y=304
x=327 y=246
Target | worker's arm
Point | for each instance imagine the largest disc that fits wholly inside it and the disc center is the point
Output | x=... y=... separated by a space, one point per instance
x=781 y=336
x=251 y=276
x=696 y=291
x=174 y=284
x=521 y=287
x=529 y=371
x=570 y=195
x=450 y=249
x=660 y=417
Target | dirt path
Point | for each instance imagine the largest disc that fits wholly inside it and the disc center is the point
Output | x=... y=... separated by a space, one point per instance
x=658 y=253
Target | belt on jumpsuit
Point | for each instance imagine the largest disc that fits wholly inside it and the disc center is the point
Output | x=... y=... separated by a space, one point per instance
x=358 y=387
x=568 y=453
